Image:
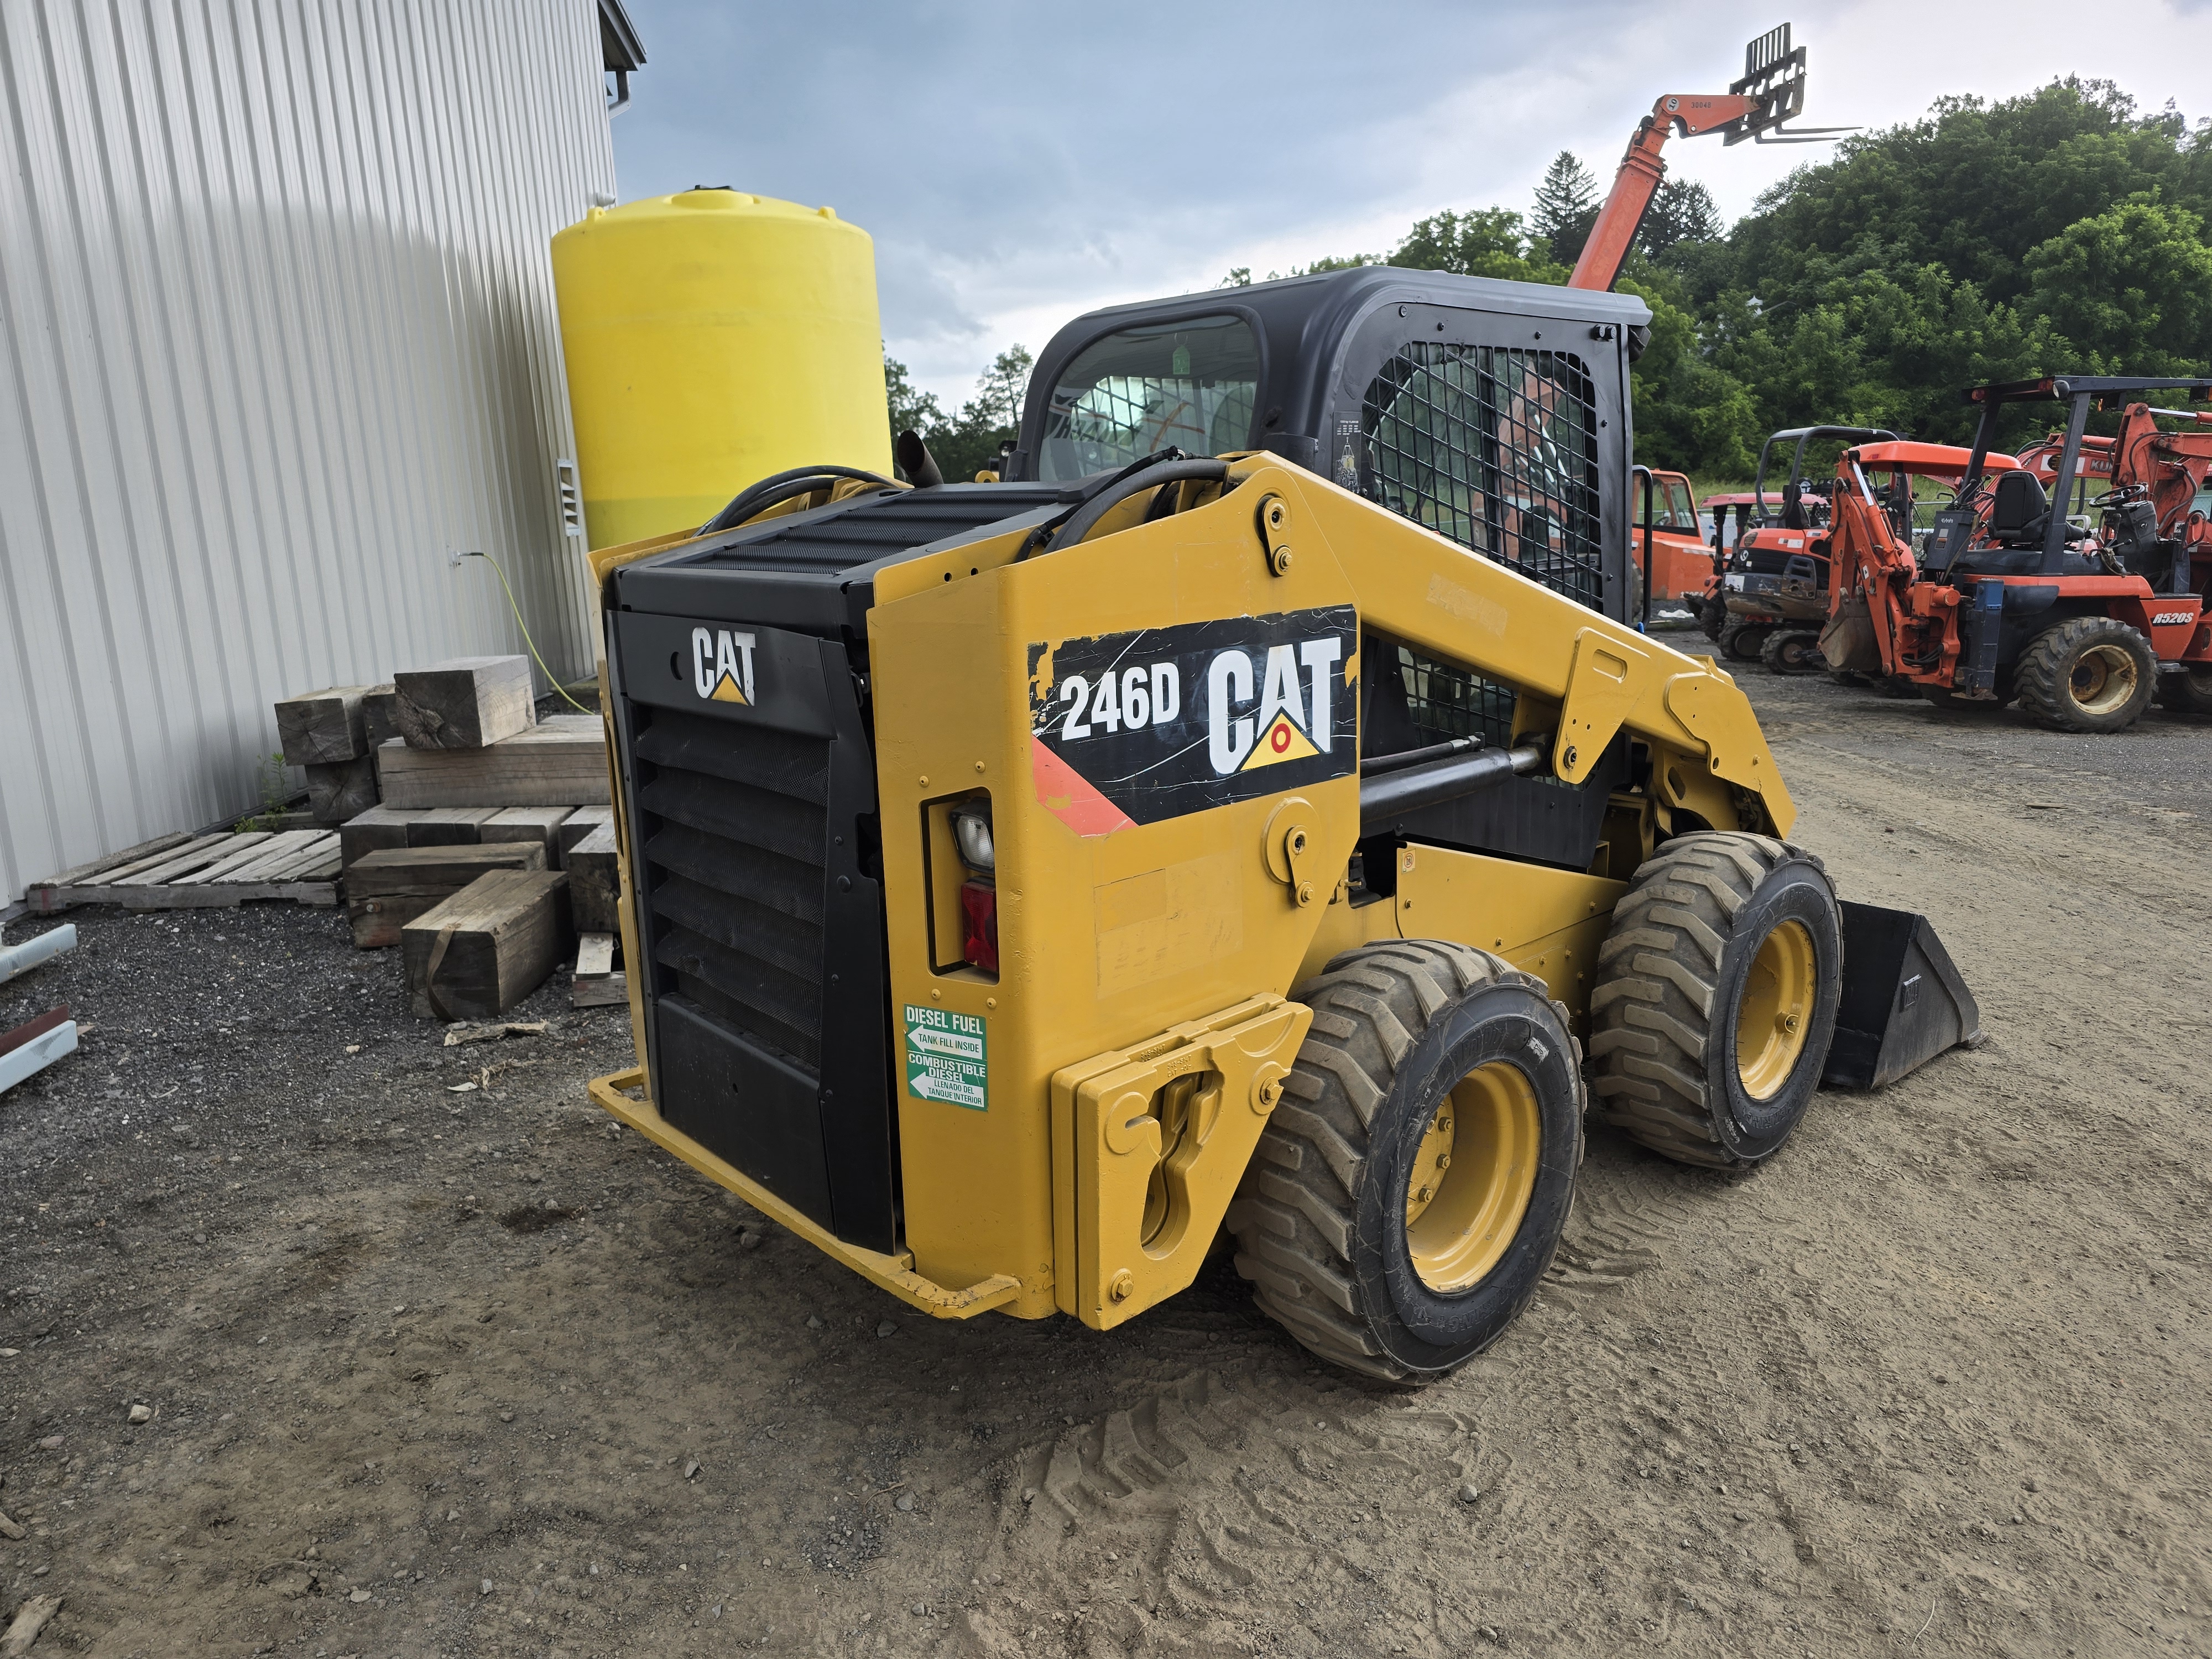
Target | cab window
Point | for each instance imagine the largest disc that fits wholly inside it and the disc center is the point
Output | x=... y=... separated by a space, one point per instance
x=1191 y=383
x=1674 y=510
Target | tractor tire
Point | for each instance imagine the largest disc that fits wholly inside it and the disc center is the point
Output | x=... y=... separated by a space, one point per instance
x=2187 y=690
x=1363 y=1246
x=1790 y=651
x=2087 y=674
x=1716 y=997
x=1743 y=641
x=1712 y=615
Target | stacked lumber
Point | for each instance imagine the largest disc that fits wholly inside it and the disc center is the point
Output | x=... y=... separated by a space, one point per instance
x=323 y=733
x=598 y=982
x=560 y=762
x=479 y=952
x=595 y=883
x=382 y=828
x=386 y=889
x=180 y=873
x=467 y=703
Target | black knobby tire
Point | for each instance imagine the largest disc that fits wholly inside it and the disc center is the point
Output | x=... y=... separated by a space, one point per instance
x=1793 y=650
x=1743 y=641
x=2187 y=690
x=1712 y=615
x=1672 y=986
x=2087 y=674
x=1320 y=1218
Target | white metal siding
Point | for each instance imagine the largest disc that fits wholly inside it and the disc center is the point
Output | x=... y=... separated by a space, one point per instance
x=277 y=332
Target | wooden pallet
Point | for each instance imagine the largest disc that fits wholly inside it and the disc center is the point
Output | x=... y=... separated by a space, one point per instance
x=192 y=872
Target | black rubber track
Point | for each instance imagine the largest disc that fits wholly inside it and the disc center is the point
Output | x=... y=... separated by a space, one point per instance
x=1295 y=1214
x=1790 y=651
x=1657 y=1006
x=2043 y=676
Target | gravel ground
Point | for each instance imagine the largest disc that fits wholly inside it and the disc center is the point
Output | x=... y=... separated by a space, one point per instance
x=435 y=1369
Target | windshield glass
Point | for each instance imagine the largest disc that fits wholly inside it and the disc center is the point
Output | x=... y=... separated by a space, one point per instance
x=1191 y=383
x=1673 y=510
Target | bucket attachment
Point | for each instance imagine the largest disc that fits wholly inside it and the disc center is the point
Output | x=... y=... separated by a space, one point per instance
x=1903 y=1002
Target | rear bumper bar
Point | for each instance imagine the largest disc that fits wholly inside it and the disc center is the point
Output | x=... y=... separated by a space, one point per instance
x=614 y=1094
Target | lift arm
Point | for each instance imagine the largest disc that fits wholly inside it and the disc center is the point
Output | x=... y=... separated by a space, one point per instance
x=1771 y=92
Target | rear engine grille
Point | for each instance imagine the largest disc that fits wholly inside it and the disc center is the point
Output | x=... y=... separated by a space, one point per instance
x=734 y=855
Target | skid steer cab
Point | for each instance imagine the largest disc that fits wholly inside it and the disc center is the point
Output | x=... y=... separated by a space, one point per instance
x=1028 y=883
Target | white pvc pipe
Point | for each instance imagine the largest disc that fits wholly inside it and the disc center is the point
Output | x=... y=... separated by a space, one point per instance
x=21 y=958
x=37 y=1055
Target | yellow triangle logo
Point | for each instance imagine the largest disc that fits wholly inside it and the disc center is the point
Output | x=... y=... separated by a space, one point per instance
x=1281 y=741
x=726 y=690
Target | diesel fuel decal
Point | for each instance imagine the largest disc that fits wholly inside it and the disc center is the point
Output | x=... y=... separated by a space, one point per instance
x=1132 y=728
x=722 y=665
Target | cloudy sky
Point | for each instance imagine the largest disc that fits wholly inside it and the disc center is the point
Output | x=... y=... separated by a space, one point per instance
x=1020 y=164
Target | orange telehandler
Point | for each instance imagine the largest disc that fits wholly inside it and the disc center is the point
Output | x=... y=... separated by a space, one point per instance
x=1771 y=92
x=2010 y=597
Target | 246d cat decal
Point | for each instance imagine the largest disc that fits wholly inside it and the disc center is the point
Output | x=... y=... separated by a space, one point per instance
x=1132 y=728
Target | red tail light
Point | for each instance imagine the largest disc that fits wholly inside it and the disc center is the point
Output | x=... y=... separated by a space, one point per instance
x=979 y=926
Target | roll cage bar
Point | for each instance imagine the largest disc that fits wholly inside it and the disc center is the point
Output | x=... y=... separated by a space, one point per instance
x=2082 y=392
x=1792 y=492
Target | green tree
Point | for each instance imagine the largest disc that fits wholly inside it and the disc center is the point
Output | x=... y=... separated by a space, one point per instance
x=1682 y=210
x=2131 y=286
x=911 y=408
x=1565 y=208
x=1481 y=242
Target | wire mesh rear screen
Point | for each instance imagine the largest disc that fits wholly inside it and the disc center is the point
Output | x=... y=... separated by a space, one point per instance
x=1495 y=447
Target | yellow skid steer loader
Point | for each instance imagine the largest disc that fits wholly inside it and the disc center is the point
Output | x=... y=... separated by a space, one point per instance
x=1247 y=811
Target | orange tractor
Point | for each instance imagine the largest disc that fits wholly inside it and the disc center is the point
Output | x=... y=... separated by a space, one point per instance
x=2009 y=596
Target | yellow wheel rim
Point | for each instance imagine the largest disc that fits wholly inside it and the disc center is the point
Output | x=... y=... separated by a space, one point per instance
x=2104 y=679
x=1776 y=1010
x=1472 y=1178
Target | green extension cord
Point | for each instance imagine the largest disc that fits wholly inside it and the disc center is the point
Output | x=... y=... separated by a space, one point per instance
x=552 y=679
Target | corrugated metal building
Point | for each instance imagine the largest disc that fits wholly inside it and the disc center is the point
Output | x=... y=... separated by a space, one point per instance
x=277 y=339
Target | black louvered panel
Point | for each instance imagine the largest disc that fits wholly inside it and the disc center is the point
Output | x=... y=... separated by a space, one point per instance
x=773 y=1007
x=781 y=941
x=783 y=763
x=753 y=818
x=735 y=827
x=790 y=887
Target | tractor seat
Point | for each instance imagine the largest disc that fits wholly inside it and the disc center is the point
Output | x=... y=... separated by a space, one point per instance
x=2019 y=513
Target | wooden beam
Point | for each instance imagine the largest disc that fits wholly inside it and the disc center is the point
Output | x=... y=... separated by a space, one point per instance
x=577 y=825
x=595 y=883
x=387 y=891
x=321 y=728
x=560 y=762
x=487 y=947
x=342 y=789
x=538 y=823
x=449 y=826
x=373 y=831
x=467 y=703
x=379 y=718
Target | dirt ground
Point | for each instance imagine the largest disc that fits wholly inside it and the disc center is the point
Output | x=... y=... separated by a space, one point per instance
x=470 y=1371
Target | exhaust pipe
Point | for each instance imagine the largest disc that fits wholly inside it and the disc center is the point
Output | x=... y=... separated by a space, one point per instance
x=1903 y=1001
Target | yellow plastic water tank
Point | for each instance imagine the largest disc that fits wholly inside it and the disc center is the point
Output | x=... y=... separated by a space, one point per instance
x=713 y=338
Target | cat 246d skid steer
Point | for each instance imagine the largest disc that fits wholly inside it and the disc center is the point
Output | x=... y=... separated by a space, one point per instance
x=1249 y=814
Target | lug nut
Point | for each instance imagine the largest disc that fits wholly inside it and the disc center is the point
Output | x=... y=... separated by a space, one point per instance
x=1443 y=1160
x=1122 y=1286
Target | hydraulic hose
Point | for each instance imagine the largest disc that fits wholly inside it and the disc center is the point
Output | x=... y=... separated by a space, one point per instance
x=799 y=480
x=1086 y=517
